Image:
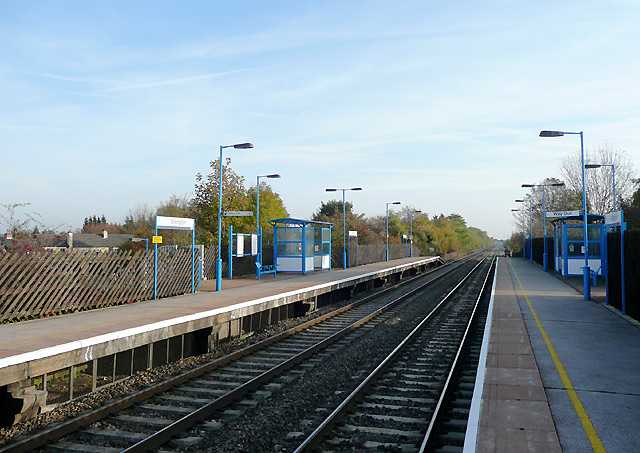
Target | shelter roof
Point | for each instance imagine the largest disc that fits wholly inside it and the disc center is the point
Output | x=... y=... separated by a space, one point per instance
x=298 y=222
x=591 y=219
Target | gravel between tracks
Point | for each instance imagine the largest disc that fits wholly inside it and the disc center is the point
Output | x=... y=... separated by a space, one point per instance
x=304 y=403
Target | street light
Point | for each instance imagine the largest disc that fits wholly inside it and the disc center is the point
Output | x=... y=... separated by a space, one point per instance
x=411 y=211
x=613 y=169
x=219 y=259
x=140 y=240
x=544 y=219
x=524 y=240
x=344 y=224
x=275 y=175
x=586 y=272
x=530 y=228
x=391 y=202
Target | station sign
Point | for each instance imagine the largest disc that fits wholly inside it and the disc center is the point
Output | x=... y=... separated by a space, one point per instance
x=237 y=213
x=353 y=234
x=563 y=213
x=175 y=223
x=157 y=240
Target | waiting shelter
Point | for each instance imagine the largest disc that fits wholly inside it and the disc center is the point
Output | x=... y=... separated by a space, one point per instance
x=568 y=244
x=301 y=245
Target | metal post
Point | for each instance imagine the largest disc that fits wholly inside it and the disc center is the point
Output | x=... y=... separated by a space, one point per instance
x=344 y=231
x=530 y=231
x=410 y=234
x=586 y=270
x=544 y=231
x=387 y=231
x=155 y=264
x=613 y=169
x=219 y=259
x=193 y=260
x=230 y=252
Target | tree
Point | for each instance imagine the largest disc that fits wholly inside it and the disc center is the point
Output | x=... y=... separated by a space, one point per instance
x=96 y=225
x=271 y=205
x=24 y=230
x=140 y=222
x=631 y=208
x=598 y=182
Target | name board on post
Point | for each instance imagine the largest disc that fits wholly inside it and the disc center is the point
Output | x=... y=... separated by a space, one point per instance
x=613 y=219
x=175 y=223
x=353 y=234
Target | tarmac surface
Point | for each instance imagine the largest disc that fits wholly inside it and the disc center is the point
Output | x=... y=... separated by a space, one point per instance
x=588 y=358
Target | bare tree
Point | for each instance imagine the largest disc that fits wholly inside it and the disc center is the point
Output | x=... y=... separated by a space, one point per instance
x=599 y=181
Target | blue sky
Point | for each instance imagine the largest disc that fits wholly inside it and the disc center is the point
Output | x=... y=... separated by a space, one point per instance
x=108 y=105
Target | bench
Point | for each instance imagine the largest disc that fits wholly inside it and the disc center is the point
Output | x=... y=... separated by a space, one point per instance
x=268 y=269
x=594 y=275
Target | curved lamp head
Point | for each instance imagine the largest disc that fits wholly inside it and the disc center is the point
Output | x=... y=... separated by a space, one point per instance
x=243 y=146
x=519 y=201
x=592 y=165
x=356 y=188
x=551 y=134
x=274 y=176
x=528 y=185
x=395 y=202
x=516 y=210
x=331 y=190
x=561 y=184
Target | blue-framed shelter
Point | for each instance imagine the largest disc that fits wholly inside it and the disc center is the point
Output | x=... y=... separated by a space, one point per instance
x=568 y=245
x=301 y=245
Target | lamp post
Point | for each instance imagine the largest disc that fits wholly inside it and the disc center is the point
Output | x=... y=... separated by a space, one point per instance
x=411 y=211
x=530 y=227
x=344 y=224
x=544 y=219
x=259 y=254
x=219 y=259
x=387 y=229
x=586 y=272
x=613 y=169
x=524 y=240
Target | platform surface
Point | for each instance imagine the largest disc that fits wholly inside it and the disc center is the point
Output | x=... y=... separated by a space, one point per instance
x=20 y=342
x=562 y=374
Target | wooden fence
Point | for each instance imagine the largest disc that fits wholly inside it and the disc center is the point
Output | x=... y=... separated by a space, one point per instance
x=48 y=283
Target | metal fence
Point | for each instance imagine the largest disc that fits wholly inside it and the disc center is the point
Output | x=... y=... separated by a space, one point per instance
x=47 y=283
x=631 y=271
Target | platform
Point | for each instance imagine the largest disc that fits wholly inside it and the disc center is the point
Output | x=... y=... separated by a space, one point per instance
x=558 y=374
x=129 y=338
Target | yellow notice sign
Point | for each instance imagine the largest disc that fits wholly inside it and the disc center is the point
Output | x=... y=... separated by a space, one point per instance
x=157 y=239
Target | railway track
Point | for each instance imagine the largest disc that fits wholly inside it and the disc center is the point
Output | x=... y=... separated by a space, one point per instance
x=410 y=402
x=182 y=412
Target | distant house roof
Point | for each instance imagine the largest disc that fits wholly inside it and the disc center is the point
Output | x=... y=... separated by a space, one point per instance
x=82 y=240
x=52 y=240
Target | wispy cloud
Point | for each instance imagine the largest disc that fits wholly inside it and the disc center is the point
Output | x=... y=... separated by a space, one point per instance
x=176 y=81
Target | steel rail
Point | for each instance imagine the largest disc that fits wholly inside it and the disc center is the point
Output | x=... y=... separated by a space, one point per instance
x=454 y=365
x=317 y=436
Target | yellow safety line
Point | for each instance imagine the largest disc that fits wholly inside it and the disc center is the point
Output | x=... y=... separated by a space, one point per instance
x=589 y=430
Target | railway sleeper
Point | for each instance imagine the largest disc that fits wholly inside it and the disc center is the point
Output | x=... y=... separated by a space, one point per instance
x=72 y=447
x=381 y=431
x=112 y=435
